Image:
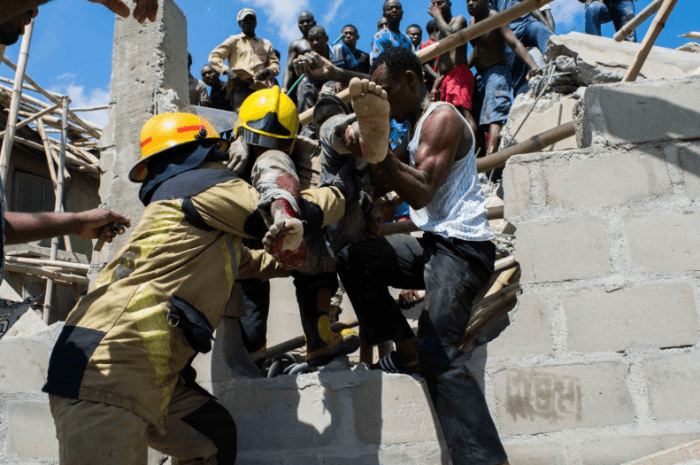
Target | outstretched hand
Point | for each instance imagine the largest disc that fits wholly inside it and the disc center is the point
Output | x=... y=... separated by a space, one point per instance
x=93 y=222
x=145 y=9
x=313 y=65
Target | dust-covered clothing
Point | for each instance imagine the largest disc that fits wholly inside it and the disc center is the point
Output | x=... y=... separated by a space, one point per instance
x=492 y=101
x=198 y=92
x=246 y=57
x=156 y=304
x=458 y=86
x=386 y=39
x=199 y=430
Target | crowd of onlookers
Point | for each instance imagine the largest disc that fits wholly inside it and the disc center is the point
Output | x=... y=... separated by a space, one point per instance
x=503 y=60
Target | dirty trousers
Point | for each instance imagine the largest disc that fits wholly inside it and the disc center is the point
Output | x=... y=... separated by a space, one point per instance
x=452 y=272
x=198 y=431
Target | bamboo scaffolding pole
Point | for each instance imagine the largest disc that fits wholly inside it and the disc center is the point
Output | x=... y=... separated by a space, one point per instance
x=458 y=39
x=46 y=274
x=88 y=158
x=48 y=299
x=47 y=151
x=2 y=51
x=68 y=266
x=7 y=142
x=692 y=35
x=533 y=144
x=90 y=128
x=652 y=34
x=69 y=156
x=635 y=22
x=56 y=123
x=85 y=109
x=12 y=82
x=31 y=119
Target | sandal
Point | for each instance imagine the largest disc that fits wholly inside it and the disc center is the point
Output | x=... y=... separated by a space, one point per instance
x=388 y=364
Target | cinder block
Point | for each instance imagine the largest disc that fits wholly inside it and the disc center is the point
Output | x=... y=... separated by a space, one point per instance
x=606 y=179
x=532 y=400
x=536 y=453
x=395 y=409
x=616 y=449
x=689 y=161
x=23 y=365
x=659 y=315
x=575 y=248
x=672 y=386
x=516 y=187
x=642 y=112
x=661 y=243
x=278 y=414
x=31 y=431
x=529 y=332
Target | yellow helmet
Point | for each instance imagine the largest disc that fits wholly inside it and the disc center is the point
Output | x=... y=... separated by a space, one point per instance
x=165 y=131
x=266 y=117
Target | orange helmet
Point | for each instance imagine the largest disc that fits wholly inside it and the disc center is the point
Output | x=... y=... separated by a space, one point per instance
x=165 y=131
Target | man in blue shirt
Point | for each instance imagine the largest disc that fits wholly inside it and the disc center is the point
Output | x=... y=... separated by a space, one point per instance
x=391 y=36
x=529 y=31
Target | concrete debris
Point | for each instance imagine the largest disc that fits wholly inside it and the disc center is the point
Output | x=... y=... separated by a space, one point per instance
x=28 y=324
x=589 y=60
x=8 y=293
x=692 y=47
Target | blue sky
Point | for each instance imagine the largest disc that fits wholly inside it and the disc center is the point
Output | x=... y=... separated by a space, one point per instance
x=72 y=43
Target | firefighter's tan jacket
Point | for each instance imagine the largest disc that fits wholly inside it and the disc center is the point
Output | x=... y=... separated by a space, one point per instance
x=118 y=345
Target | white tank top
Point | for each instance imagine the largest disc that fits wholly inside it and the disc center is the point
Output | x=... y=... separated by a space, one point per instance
x=457 y=210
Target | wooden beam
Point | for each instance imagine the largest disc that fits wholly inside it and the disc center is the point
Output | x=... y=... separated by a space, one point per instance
x=692 y=35
x=652 y=34
x=635 y=22
x=458 y=39
x=534 y=144
x=47 y=151
x=46 y=274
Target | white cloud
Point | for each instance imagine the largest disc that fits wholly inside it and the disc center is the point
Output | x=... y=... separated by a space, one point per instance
x=80 y=97
x=66 y=77
x=332 y=10
x=283 y=14
x=568 y=14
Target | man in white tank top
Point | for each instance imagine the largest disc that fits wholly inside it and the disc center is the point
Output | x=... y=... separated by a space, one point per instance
x=436 y=175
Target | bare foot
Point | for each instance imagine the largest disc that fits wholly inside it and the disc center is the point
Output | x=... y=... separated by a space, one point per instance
x=372 y=108
x=285 y=237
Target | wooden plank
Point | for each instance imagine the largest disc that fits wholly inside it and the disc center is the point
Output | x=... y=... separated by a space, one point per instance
x=652 y=34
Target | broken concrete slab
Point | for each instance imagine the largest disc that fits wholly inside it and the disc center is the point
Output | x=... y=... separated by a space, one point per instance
x=692 y=47
x=599 y=60
x=551 y=111
x=28 y=324
x=640 y=112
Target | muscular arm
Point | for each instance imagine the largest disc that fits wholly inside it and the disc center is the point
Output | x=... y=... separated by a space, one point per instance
x=288 y=78
x=517 y=46
x=28 y=227
x=441 y=134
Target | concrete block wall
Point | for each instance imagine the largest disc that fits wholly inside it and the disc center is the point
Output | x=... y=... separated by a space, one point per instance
x=601 y=362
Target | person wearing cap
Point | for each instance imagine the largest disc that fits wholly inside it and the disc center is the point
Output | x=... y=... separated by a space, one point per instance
x=251 y=59
x=119 y=377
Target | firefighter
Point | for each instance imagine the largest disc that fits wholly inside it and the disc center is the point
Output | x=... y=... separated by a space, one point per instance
x=119 y=376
